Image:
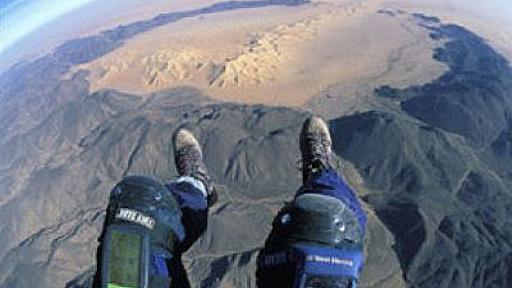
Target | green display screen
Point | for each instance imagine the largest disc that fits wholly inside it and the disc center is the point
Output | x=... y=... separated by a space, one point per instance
x=124 y=260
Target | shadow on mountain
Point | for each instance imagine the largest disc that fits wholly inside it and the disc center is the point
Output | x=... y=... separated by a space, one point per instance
x=448 y=211
x=473 y=98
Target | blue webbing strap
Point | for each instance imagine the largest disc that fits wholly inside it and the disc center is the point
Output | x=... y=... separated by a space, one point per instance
x=158 y=266
x=318 y=261
x=330 y=261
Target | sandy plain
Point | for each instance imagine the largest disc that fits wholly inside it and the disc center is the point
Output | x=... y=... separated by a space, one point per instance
x=271 y=55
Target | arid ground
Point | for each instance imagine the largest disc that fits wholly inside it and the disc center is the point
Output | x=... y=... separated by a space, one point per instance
x=418 y=96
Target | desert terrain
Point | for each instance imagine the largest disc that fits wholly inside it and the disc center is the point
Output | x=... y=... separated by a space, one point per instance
x=274 y=56
x=418 y=96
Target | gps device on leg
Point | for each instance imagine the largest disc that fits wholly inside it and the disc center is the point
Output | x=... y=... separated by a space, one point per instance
x=125 y=257
x=141 y=235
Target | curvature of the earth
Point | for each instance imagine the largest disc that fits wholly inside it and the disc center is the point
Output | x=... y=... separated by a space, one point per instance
x=419 y=98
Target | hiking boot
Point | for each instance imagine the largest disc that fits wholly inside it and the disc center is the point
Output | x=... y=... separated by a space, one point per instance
x=316 y=148
x=189 y=160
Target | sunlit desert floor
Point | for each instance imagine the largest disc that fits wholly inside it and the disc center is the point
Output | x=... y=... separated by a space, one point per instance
x=275 y=56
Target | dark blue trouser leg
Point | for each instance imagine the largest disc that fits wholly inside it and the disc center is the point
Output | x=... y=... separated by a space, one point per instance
x=194 y=207
x=331 y=184
x=277 y=269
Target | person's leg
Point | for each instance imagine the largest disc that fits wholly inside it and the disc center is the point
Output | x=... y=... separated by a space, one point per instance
x=330 y=183
x=317 y=239
x=154 y=223
x=193 y=192
x=143 y=222
x=191 y=195
x=319 y=175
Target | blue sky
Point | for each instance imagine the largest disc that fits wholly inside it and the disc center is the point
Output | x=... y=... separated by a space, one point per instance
x=19 y=18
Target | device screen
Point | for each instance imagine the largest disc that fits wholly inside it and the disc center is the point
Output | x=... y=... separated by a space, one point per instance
x=124 y=261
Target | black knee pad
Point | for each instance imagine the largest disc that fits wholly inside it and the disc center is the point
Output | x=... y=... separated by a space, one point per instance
x=319 y=219
x=316 y=241
x=143 y=220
